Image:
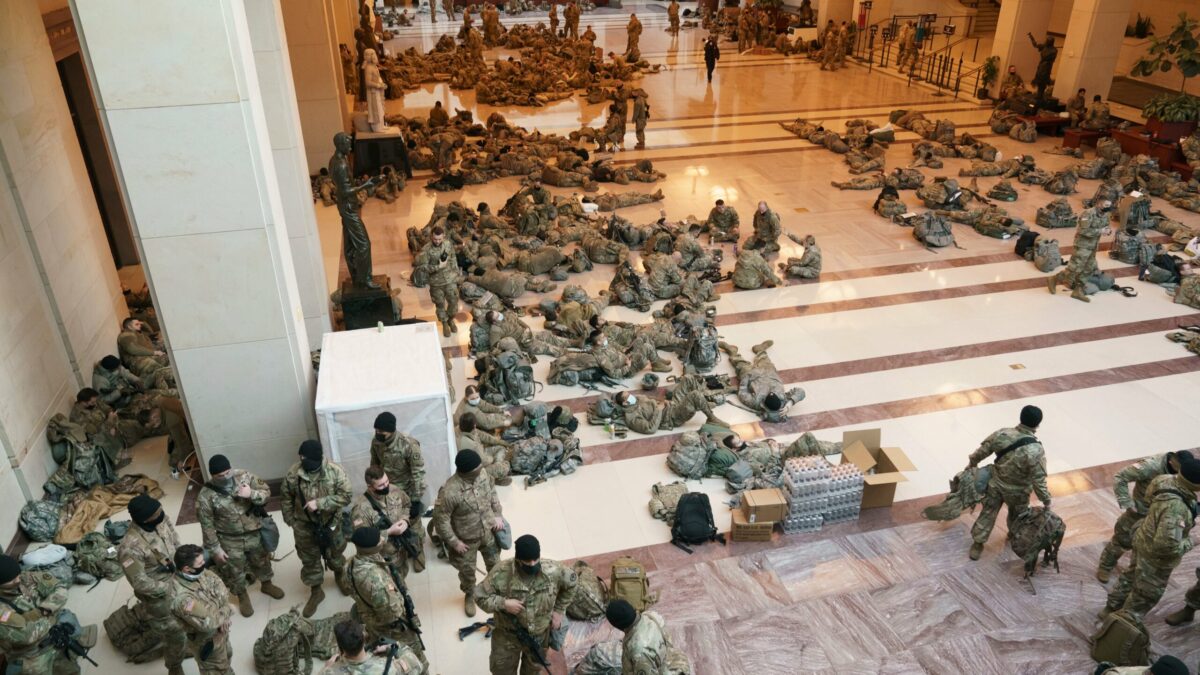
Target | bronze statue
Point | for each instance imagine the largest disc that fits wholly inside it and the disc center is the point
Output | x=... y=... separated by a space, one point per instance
x=356 y=243
x=1041 y=78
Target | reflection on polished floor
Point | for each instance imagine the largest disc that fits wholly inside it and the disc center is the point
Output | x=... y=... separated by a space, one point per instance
x=936 y=348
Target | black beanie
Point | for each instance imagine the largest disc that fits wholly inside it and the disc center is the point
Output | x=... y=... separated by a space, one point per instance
x=365 y=537
x=1169 y=665
x=110 y=362
x=620 y=614
x=218 y=464
x=527 y=547
x=143 y=507
x=1190 y=470
x=386 y=421
x=311 y=449
x=467 y=461
x=9 y=569
x=772 y=402
x=1031 y=416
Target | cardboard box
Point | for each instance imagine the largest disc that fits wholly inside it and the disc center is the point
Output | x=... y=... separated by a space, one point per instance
x=764 y=506
x=882 y=467
x=741 y=529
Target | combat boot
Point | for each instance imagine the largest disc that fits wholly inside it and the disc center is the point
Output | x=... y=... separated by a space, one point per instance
x=343 y=583
x=469 y=604
x=762 y=347
x=272 y=590
x=1052 y=284
x=314 y=601
x=1184 y=615
x=244 y=605
x=976 y=551
x=1079 y=294
x=175 y=670
x=661 y=366
x=1103 y=574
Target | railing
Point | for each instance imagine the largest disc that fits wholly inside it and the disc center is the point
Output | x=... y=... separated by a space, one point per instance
x=974 y=76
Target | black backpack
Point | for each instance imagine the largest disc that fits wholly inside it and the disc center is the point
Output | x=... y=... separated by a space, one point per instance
x=1025 y=244
x=694 y=522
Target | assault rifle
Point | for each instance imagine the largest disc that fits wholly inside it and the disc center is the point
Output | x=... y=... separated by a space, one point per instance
x=410 y=611
x=541 y=473
x=62 y=636
x=407 y=541
x=529 y=642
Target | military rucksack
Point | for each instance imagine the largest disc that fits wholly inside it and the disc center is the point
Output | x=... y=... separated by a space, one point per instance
x=574 y=368
x=664 y=498
x=1025 y=242
x=628 y=582
x=1188 y=292
x=694 y=522
x=1046 y=255
x=528 y=454
x=603 y=658
x=703 y=354
x=480 y=332
x=738 y=476
x=967 y=489
x=97 y=556
x=127 y=630
x=52 y=559
x=1037 y=530
x=603 y=410
x=1127 y=245
x=289 y=642
x=39 y=519
x=688 y=456
x=1056 y=214
x=1122 y=640
x=933 y=230
x=588 y=602
x=509 y=379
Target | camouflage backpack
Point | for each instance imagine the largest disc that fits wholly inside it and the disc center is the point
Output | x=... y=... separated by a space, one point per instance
x=1046 y=255
x=603 y=410
x=572 y=368
x=528 y=455
x=1036 y=530
x=97 y=556
x=738 y=476
x=289 y=642
x=603 y=658
x=933 y=230
x=126 y=629
x=480 y=340
x=588 y=603
x=1188 y=292
x=629 y=583
x=1127 y=245
x=1056 y=214
x=703 y=354
x=688 y=456
x=1024 y=131
x=39 y=519
x=664 y=497
x=966 y=492
x=509 y=379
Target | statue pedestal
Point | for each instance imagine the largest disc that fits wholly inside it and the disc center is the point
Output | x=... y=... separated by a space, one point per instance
x=367 y=307
x=374 y=150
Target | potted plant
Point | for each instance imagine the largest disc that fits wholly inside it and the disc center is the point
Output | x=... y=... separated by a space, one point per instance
x=1173 y=116
x=987 y=76
x=1141 y=28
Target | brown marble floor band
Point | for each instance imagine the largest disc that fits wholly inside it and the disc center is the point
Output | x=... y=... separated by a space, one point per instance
x=731 y=123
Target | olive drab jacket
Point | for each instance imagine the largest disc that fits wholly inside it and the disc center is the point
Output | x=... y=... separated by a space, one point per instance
x=146 y=558
x=1141 y=475
x=329 y=486
x=201 y=605
x=549 y=591
x=1019 y=471
x=1164 y=535
x=466 y=509
x=645 y=415
x=224 y=514
x=400 y=457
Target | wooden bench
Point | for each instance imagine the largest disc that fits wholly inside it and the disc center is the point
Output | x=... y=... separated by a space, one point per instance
x=1182 y=167
x=1075 y=137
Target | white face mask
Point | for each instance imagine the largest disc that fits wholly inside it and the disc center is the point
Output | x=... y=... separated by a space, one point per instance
x=472 y=401
x=631 y=400
x=499 y=318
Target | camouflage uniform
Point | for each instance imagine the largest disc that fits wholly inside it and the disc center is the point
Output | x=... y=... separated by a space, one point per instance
x=751 y=271
x=807 y=266
x=202 y=607
x=23 y=625
x=544 y=594
x=115 y=386
x=1098 y=117
x=137 y=353
x=104 y=431
x=722 y=225
x=622 y=363
x=405 y=661
x=441 y=263
x=1082 y=268
x=379 y=602
x=647 y=415
x=331 y=488
x=466 y=511
x=1140 y=475
x=401 y=459
x=492 y=450
x=146 y=559
x=1013 y=477
x=1161 y=540
x=641 y=115
x=759 y=378
x=571 y=16
x=646 y=648
x=488 y=416
x=766 y=232
x=227 y=525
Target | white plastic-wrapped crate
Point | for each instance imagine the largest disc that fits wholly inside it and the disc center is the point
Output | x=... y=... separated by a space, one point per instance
x=399 y=369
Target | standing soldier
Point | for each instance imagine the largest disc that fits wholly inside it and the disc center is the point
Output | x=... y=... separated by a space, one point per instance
x=200 y=602
x=441 y=264
x=467 y=515
x=1140 y=474
x=400 y=457
x=34 y=603
x=1082 y=264
x=571 y=14
x=641 y=115
x=147 y=555
x=313 y=495
x=391 y=512
x=448 y=5
x=528 y=597
x=1159 y=544
x=230 y=507
x=646 y=648
x=554 y=18
x=673 y=17
x=381 y=599
x=634 y=35
x=1019 y=467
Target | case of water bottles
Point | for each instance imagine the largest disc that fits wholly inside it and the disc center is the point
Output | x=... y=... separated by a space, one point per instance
x=818 y=493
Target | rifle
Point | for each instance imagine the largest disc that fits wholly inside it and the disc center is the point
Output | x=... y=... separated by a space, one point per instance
x=529 y=642
x=539 y=475
x=406 y=541
x=319 y=529
x=62 y=636
x=410 y=611
x=486 y=625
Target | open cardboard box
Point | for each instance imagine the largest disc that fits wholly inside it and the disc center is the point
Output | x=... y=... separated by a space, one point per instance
x=881 y=467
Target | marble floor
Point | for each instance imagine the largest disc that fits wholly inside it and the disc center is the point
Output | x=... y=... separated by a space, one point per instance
x=935 y=348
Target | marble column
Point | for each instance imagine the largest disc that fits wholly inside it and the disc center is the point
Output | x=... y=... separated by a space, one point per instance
x=275 y=63
x=1089 y=55
x=837 y=10
x=1017 y=19
x=187 y=122
x=312 y=48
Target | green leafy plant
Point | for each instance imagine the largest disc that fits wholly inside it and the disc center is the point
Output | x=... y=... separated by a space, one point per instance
x=1141 y=28
x=991 y=70
x=1173 y=108
x=1178 y=49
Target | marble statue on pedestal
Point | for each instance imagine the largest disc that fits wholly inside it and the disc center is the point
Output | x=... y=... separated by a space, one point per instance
x=356 y=243
x=376 y=87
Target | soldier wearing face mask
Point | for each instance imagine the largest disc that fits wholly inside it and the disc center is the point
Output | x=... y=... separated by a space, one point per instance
x=488 y=416
x=528 y=594
x=392 y=513
x=400 y=456
x=146 y=554
x=314 y=493
x=200 y=602
x=467 y=515
x=230 y=508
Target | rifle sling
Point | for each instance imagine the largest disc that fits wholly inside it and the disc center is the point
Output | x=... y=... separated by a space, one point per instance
x=1019 y=443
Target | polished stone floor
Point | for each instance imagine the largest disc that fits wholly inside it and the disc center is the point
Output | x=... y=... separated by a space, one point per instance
x=936 y=348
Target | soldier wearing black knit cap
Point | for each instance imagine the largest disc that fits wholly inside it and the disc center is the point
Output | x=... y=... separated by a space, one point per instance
x=400 y=457
x=646 y=647
x=466 y=518
x=313 y=495
x=31 y=604
x=146 y=553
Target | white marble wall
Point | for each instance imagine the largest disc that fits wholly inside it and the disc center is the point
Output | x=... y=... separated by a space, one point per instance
x=188 y=122
x=1088 y=56
x=60 y=301
x=1017 y=19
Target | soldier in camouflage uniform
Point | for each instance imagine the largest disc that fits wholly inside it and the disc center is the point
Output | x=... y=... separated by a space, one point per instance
x=647 y=415
x=400 y=456
x=508 y=324
x=751 y=271
x=488 y=416
x=1161 y=541
x=390 y=511
x=138 y=353
x=1082 y=268
x=646 y=648
x=760 y=387
x=31 y=603
x=629 y=360
x=1019 y=468
x=722 y=223
x=441 y=264
x=147 y=554
x=493 y=450
x=766 y=231
x=200 y=603
x=380 y=596
x=313 y=495
x=1164 y=665
x=354 y=659
x=467 y=515
x=527 y=593
x=115 y=384
x=1140 y=474
x=1187 y=613
x=103 y=427
x=230 y=508
x=807 y=266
